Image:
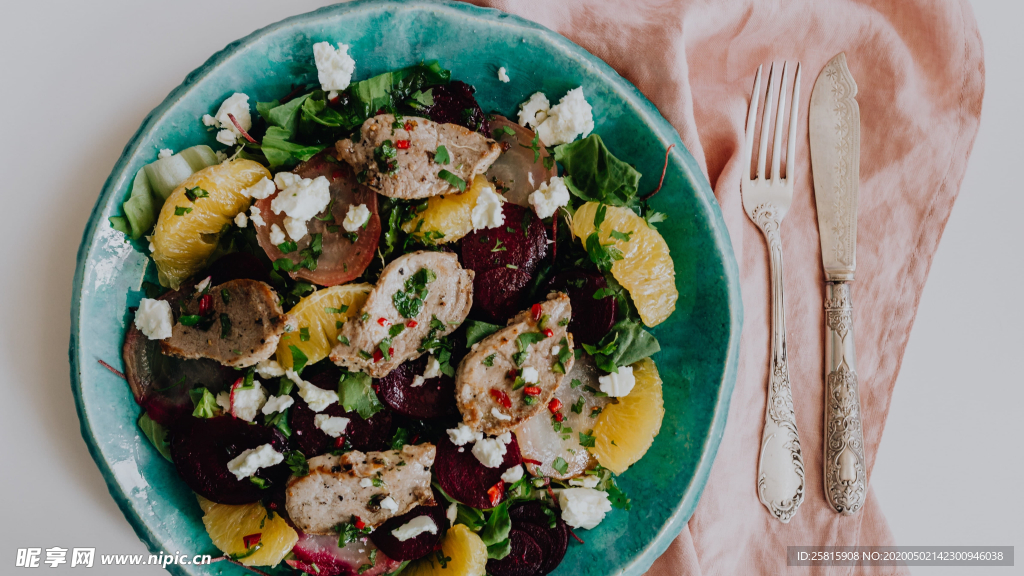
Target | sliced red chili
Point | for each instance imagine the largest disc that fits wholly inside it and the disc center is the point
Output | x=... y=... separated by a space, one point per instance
x=408 y=126
x=378 y=355
x=513 y=373
x=252 y=539
x=535 y=312
x=383 y=321
x=359 y=523
x=205 y=304
x=496 y=492
x=531 y=391
x=337 y=174
x=501 y=397
x=555 y=405
x=411 y=324
x=532 y=461
x=339 y=442
x=391 y=351
x=402 y=144
x=548 y=332
x=559 y=417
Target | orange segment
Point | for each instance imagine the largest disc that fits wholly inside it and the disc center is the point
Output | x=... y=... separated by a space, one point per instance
x=632 y=422
x=184 y=240
x=646 y=269
x=320 y=314
x=448 y=214
x=228 y=524
x=465 y=555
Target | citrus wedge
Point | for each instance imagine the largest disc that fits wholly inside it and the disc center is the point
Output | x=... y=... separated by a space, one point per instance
x=448 y=214
x=465 y=554
x=230 y=526
x=645 y=270
x=318 y=319
x=196 y=213
x=626 y=429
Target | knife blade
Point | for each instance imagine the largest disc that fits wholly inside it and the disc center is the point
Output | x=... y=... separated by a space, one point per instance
x=834 y=124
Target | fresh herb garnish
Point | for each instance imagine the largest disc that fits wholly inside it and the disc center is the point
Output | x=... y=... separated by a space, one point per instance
x=225 y=295
x=560 y=465
x=195 y=193
x=441 y=156
x=287 y=247
x=489 y=361
x=452 y=179
x=205 y=403
x=409 y=302
x=386 y=156
x=477 y=330
x=594 y=174
x=299 y=358
x=587 y=440
x=181 y=210
x=304 y=334
x=621 y=236
x=355 y=392
x=225 y=326
x=348 y=533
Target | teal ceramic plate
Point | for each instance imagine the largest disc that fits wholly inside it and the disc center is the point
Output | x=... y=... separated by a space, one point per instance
x=700 y=341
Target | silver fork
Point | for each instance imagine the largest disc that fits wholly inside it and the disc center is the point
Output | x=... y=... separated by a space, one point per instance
x=780 y=468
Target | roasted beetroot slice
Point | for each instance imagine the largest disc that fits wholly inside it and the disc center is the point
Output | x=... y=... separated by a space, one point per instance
x=553 y=543
x=236 y=266
x=520 y=242
x=498 y=294
x=372 y=434
x=524 y=559
x=202 y=447
x=320 y=555
x=464 y=478
x=435 y=398
x=454 y=103
x=591 y=319
x=412 y=548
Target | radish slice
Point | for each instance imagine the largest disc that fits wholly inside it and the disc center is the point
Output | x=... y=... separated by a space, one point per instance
x=516 y=168
x=320 y=555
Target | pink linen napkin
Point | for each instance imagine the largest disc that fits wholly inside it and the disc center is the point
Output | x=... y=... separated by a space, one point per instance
x=920 y=72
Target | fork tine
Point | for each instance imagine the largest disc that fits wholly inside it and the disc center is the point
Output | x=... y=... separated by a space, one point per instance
x=794 y=114
x=777 y=144
x=748 y=147
x=762 y=155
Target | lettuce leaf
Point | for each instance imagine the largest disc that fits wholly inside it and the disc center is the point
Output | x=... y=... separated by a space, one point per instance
x=594 y=174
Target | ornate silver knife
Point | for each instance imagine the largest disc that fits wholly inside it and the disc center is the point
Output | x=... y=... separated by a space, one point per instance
x=834 y=121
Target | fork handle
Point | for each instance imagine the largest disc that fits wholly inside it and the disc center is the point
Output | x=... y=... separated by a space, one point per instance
x=845 y=477
x=780 y=468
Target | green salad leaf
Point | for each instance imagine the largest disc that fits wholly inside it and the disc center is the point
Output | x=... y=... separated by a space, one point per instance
x=594 y=174
x=157 y=435
x=627 y=342
x=477 y=330
x=355 y=390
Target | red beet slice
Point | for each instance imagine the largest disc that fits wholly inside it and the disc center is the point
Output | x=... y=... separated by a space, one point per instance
x=498 y=293
x=524 y=559
x=342 y=260
x=412 y=548
x=521 y=242
x=202 y=447
x=236 y=266
x=435 y=398
x=591 y=319
x=464 y=478
x=516 y=169
x=454 y=103
x=535 y=518
x=364 y=435
x=321 y=556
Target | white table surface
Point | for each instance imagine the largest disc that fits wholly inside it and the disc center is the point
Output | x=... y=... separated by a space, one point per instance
x=77 y=78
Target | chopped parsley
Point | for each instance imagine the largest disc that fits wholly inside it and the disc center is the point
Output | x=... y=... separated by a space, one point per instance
x=621 y=236
x=225 y=295
x=489 y=361
x=342 y=310
x=299 y=359
x=196 y=193
x=577 y=407
x=181 y=210
x=441 y=155
x=344 y=340
x=560 y=465
x=386 y=156
x=409 y=301
x=587 y=440
x=497 y=132
x=287 y=247
x=575 y=383
x=348 y=533
x=304 y=334
x=225 y=326
x=523 y=342
x=452 y=179
x=296 y=461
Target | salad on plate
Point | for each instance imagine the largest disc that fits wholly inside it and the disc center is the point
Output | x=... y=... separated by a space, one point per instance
x=387 y=336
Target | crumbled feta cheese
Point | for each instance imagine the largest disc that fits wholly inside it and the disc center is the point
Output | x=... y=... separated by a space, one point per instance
x=224 y=401
x=256 y=216
x=165 y=153
x=356 y=217
x=534 y=111
x=497 y=414
x=260 y=190
x=221 y=156
x=248 y=462
x=530 y=375
x=317 y=398
x=334 y=67
x=452 y=513
x=555 y=350
x=583 y=507
x=389 y=504
x=417 y=382
x=151 y=247
x=433 y=368
x=333 y=426
x=241 y=220
x=276 y=235
x=154 y=319
x=203 y=284
x=529 y=178
x=549 y=197
x=587 y=481
x=366 y=483
x=503 y=75
x=269 y=368
x=246 y=404
x=278 y=404
x=568 y=120
x=513 y=474
x=236 y=105
x=618 y=385
x=487 y=210
x=491 y=451
x=414 y=528
x=463 y=435
x=300 y=199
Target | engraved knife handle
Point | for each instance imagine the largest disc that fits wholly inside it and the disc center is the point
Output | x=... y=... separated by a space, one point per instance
x=780 y=468
x=845 y=471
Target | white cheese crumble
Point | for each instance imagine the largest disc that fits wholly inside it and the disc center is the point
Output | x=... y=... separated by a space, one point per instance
x=433 y=368
x=530 y=375
x=300 y=200
x=276 y=235
x=334 y=67
x=568 y=120
x=452 y=513
x=512 y=475
x=238 y=106
x=414 y=528
x=583 y=507
x=246 y=404
x=224 y=401
x=618 y=385
x=417 y=382
x=587 y=481
x=269 y=368
x=555 y=350
x=221 y=156
x=356 y=218
x=260 y=190
x=241 y=220
x=389 y=504
x=491 y=451
x=278 y=404
x=366 y=483
x=256 y=216
x=487 y=211
x=333 y=426
x=154 y=319
x=463 y=435
x=317 y=398
x=497 y=414
x=549 y=197
x=503 y=75
x=248 y=462
x=534 y=111
x=283 y=180
x=165 y=153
